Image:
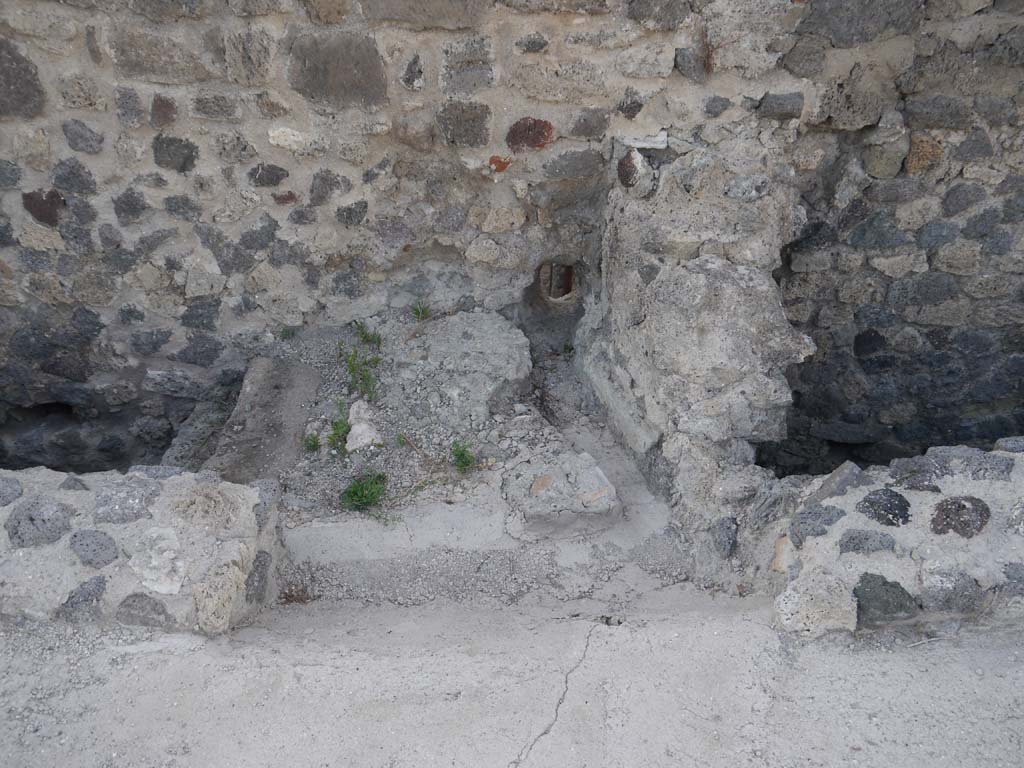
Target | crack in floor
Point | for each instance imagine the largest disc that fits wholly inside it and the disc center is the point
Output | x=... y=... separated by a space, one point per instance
x=524 y=753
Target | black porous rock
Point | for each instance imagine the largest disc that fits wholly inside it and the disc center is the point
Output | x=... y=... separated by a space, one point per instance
x=885 y=506
x=965 y=516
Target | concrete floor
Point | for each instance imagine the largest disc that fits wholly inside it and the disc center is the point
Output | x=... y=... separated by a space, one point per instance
x=685 y=680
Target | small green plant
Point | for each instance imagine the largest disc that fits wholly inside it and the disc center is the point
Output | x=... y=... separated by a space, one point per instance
x=339 y=434
x=368 y=337
x=365 y=491
x=421 y=311
x=288 y=332
x=568 y=349
x=462 y=459
x=360 y=372
x=402 y=440
x=311 y=442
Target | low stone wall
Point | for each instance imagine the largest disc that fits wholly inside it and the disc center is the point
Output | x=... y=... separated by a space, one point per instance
x=925 y=539
x=156 y=547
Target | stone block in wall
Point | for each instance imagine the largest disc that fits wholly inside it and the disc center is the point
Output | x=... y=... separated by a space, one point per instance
x=661 y=15
x=248 y=55
x=156 y=58
x=468 y=65
x=327 y=11
x=428 y=14
x=171 y=10
x=257 y=7
x=465 y=123
x=569 y=80
x=558 y=6
x=155 y=547
x=21 y=92
x=338 y=70
x=851 y=22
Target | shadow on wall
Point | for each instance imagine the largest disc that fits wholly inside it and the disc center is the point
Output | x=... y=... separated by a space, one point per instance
x=881 y=386
x=551 y=307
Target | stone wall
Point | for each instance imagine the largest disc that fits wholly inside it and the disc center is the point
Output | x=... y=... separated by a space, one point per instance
x=909 y=275
x=182 y=178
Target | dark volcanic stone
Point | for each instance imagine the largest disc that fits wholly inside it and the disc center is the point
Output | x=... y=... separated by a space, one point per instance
x=529 y=133
x=976 y=146
x=129 y=206
x=469 y=65
x=10 y=174
x=937 y=112
x=37 y=521
x=202 y=313
x=849 y=22
x=149 y=342
x=84 y=601
x=324 y=184
x=937 y=233
x=201 y=349
x=141 y=610
x=82 y=138
x=465 y=123
x=534 y=42
x=885 y=506
x=631 y=103
x=304 y=214
x=723 y=536
x=813 y=520
x=175 y=154
x=961 y=197
x=163 y=111
x=261 y=236
x=44 y=207
x=340 y=70
x=781 y=106
x=715 y=106
x=21 y=92
x=352 y=215
x=865 y=542
x=880 y=600
x=982 y=225
x=94 y=548
x=129 y=107
x=692 y=63
x=72 y=177
x=963 y=515
x=412 y=77
x=183 y=207
x=267 y=175
x=878 y=232
x=590 y=123
x=662 y=15
x=258 y=579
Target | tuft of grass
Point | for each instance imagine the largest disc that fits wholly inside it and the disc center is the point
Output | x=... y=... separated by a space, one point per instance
x=368 y=337
x=365 y=492
x=462 y=459
x=311 y=442
x=361 y=375
x=568 y=349
x=288 y=332
x=339 y=434
x=402 y=440
x=421 y=311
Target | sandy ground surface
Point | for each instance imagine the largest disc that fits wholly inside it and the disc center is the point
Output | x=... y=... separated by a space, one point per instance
x=683 y=680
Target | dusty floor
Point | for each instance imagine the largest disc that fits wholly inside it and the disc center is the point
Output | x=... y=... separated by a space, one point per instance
x=684 y=680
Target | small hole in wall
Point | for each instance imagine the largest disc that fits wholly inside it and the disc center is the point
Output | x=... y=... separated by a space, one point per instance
x=557 y=282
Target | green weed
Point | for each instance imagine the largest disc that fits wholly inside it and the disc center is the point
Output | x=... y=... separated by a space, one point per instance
x=365 y=491
x=462 y=459
x=311 y=442
x=368 y=337
x=421 y=311
x=361 y=375
x=339 y=434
